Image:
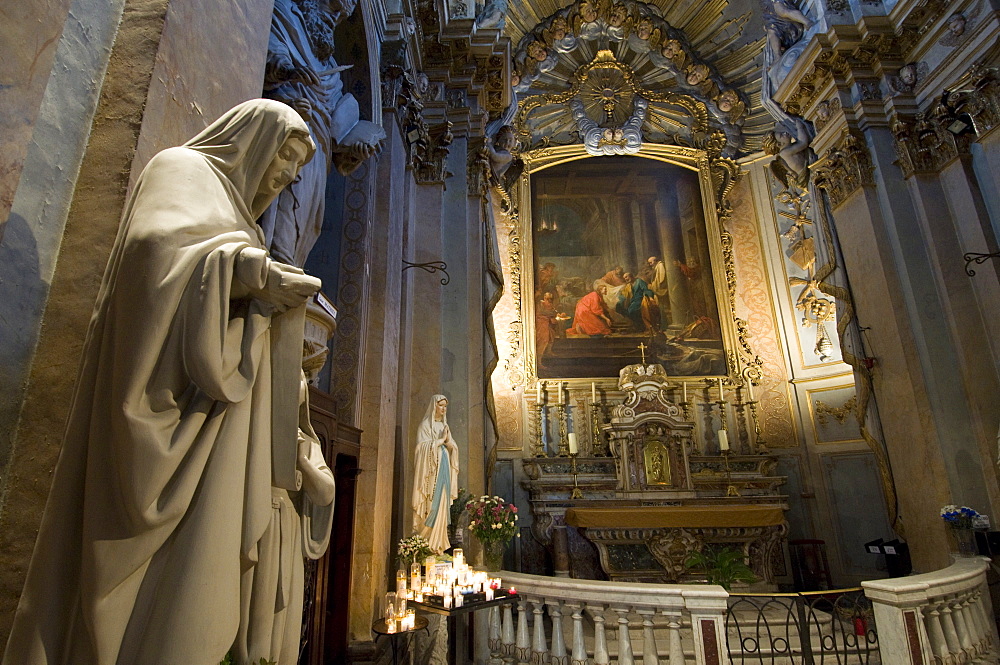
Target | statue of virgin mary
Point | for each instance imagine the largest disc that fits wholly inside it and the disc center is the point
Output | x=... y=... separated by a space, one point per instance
x=435 y=480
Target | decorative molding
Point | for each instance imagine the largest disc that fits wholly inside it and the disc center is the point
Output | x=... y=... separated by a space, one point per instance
x=430 y=157
x=974 y=99
x=844 y=168
x=348 y=349
x=824 y=112
x=922 y=145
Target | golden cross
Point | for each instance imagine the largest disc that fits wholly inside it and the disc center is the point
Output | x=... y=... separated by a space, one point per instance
x=642 y=349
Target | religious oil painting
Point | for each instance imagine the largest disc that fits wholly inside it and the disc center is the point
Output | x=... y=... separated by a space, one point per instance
x=622 y=258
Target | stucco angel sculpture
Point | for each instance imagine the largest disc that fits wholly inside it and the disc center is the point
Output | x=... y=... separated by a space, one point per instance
x=162 y=491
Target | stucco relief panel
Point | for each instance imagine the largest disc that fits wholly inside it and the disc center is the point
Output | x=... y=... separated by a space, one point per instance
x=753 y=304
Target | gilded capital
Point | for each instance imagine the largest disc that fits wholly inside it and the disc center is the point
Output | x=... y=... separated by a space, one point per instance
x=844 y=168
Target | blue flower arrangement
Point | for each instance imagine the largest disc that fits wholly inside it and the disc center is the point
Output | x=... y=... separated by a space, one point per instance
x=959 y=517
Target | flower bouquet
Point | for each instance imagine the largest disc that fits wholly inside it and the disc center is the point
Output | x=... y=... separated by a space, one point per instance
x=493 y=522
x=962 y=521
x=415 y=548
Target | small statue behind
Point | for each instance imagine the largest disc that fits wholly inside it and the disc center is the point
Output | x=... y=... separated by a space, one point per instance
x=301 y=72
x=272 y=591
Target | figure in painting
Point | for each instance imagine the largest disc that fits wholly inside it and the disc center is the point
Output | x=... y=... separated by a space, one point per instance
x=638 y=303
x=162 y=491
x=547 y=281
x=591 y=316
x=615 y=276
x=435 y=478
x=301 y=71
x=545 y=324
x=658 y=283
x=272 y=590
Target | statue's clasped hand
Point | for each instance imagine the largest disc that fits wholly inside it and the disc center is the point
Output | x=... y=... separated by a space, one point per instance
x=287 y=286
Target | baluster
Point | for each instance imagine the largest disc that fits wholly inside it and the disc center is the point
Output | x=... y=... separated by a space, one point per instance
x=980 y=633
x=539 y=652
x=977 y=633
x=523 y=645
x=493 y=635
x=625 y=656
x=601 y=656
x=674 y=636
x=948 y=623
x=985 y=618
x=507 y=634
x=932 y=619
x=964 y=640
x=649 y=655
x=579 y=655
x=557 y=652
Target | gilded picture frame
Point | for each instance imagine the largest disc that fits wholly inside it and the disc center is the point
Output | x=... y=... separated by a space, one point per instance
x=715 y=178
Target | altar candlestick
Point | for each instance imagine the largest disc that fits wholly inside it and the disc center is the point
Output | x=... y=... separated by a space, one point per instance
x=685 y=384
x=593 y=392
x=722 y=395
x=723 y=440
x=572 y=444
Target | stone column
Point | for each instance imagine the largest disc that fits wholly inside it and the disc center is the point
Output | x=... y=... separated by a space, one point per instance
x=377 y=281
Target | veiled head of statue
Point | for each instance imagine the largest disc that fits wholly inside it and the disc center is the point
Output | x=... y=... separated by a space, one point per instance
x=245 y=143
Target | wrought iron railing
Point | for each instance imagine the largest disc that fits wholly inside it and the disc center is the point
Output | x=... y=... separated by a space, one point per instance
x=812 y=628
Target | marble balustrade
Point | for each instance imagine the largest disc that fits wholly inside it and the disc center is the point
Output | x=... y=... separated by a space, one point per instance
x=520 y=634
x=936 y=618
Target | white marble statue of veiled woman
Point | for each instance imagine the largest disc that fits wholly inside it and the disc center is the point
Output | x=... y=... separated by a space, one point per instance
x=273 y=590
x=435 y=479
x=162 y=490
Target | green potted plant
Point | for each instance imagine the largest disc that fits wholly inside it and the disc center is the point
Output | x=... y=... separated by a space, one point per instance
x=723 y=566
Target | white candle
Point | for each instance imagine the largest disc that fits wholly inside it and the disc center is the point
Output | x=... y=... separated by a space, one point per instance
x=447 y=601
x=685 y=384
x=538 y=393
x=572 y=444
x=390 y=626
x=459 y=600
x=723 y=440
x=489 y=594
x=593 y=392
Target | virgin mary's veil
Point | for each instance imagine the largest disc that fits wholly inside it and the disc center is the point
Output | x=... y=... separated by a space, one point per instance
x=429 y=415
